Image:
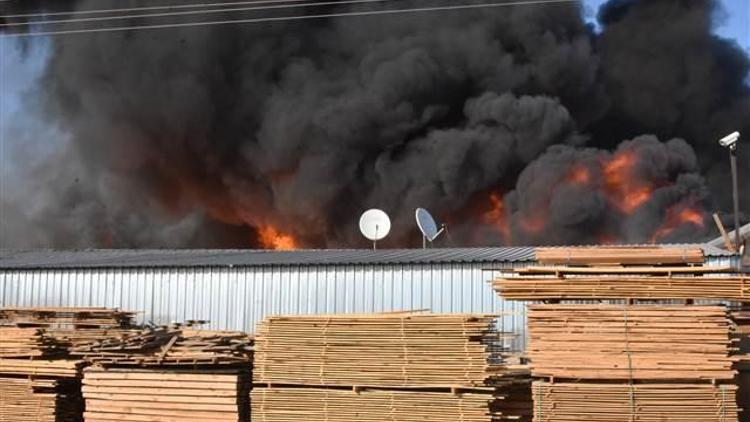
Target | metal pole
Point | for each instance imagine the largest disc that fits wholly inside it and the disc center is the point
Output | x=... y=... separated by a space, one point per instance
x=736 y=195
x=424 y=242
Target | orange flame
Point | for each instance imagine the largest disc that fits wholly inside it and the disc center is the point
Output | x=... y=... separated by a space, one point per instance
x=623 y=189
x=271 y=238
x=676 y=217
x=579 y=175
x=496 y=216
x=533 y=224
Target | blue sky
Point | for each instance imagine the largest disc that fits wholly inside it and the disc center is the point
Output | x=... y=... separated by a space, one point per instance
x=19 y=71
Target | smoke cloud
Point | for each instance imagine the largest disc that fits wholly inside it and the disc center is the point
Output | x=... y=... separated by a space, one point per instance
x=515 y=125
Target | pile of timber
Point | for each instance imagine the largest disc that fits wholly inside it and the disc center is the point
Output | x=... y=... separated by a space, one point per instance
x=743 y=392
x=380 y=350
x=27 y=343
x=620 y=255
x=616 y=342
x=741 y=317
x=66 y=317
x=168 y=374
x=36 y=368
x=618 y=402
x=393 y=366
x=38 y=379
x=650 y=283
x=165 y=346
x=51 y=332
x=625 y=362
x=166 y=395
x=40 y=400
x=280 y=404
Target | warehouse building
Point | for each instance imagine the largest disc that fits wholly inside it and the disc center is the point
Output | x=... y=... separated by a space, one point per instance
x=235 y=289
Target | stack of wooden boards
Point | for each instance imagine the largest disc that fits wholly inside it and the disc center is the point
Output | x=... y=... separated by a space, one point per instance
x=155 y=374
x=645 y=342
x=166 y=395
x=165 y=346
x=623 y=361
x=654 y=275
x=741 y=316
x=385 y=367
x=168 y=375
x=639 y=362
x=40 y=399
x=38 y=379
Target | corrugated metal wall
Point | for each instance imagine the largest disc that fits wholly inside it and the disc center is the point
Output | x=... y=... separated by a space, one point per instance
x=237 y=298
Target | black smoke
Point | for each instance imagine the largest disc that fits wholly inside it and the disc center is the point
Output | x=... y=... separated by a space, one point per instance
x=198 y=137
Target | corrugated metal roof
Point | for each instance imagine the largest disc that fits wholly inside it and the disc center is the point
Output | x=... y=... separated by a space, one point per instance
x=148 y=258
x=112 y=258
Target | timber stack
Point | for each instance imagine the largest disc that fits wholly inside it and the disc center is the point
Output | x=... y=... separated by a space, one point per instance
x=640 y=357
x=39 y=381
x=741 y=316
x=168 y=374
x=407 y=366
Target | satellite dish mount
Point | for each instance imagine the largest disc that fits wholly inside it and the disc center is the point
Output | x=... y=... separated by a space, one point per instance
x=374 y=225
x=427 y=226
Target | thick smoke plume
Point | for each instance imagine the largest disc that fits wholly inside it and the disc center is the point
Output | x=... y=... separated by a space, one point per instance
x=516 y=125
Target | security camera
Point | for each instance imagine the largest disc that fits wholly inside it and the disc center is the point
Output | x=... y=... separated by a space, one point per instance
x=730 y=141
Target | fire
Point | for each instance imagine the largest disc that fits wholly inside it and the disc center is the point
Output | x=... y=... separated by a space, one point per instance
x=271 y=238
x=623 y=188
x=533 y=224
x=579 y=175
x=677 y=216
x=496 y=214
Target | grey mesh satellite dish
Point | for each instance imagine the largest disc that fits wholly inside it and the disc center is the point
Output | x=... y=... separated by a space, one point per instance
x=374 y=225
x=427 y=226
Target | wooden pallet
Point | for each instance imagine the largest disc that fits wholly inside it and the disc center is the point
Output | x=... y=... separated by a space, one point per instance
x=645 y=342
x=162 y=395
x=380 y=349
x=608 y=402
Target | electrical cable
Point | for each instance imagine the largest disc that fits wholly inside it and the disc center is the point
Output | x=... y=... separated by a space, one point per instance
x=186 y=13
x=285 y=18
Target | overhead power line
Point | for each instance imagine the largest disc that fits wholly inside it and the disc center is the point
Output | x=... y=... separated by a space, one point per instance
x=186 y=13
x=145 y=8
x=287 y=18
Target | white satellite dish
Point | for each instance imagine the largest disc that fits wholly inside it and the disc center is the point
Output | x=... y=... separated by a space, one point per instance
x=374 y=225
x=427 y=226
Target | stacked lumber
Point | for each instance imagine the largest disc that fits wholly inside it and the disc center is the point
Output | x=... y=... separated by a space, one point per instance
x=38 y=379
x=392 y=366
x=743 y=393
x=625 y=255
x=279 y=404
x=571 y=284
x=741 y=317
x=167 y=346
x=66 y=317
x=40 y=400
x=379 y=350
x=644 y=342
x=610 y=402
x=57 y=368
x=27 y=343
x=166 y=395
